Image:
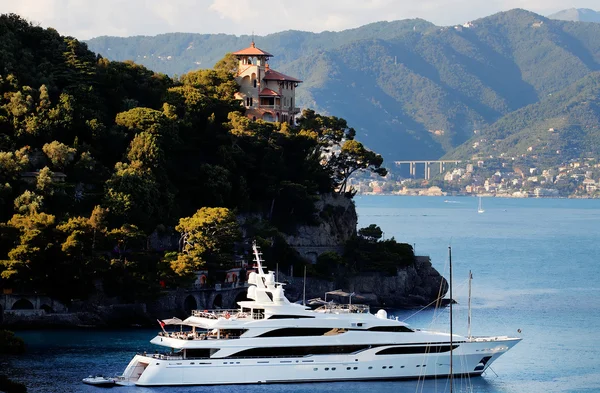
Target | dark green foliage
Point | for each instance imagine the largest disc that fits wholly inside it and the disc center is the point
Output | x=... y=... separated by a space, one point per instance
x=11 y=344
x=366 y=253
x=8 y=386
x=372 y=233
x=101 y=160
x=387 y=256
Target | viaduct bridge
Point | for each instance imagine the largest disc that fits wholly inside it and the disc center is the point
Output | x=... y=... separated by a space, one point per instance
x=428 y=164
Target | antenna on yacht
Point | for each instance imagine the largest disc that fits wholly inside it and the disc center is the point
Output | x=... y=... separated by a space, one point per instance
x=304 y=288
x=469 y=318
x=257 y=258
x=451 y=343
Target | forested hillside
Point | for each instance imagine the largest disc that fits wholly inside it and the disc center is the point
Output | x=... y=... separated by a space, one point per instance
x=412 y=90
x=101 y=160
x=563 y=126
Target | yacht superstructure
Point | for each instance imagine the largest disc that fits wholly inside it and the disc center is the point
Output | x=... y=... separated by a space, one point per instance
x=270 y=340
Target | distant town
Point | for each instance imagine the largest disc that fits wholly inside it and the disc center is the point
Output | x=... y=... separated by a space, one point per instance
x=494 y=177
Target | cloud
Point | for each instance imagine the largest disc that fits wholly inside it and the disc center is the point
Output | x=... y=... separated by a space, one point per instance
x=85 y=18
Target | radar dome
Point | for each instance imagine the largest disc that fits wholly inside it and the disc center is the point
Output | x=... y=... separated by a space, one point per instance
x=252 y=278
x=382 y=314
x=251 y=293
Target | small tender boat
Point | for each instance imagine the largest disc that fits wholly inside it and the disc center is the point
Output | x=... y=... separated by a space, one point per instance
x=99 y=380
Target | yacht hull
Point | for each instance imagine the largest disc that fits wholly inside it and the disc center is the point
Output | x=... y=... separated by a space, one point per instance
x=469 y=358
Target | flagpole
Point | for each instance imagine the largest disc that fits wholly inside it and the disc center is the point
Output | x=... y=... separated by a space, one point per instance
x=162 y=325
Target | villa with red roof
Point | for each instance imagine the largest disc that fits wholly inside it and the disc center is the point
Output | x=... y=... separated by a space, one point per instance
x=267 y=94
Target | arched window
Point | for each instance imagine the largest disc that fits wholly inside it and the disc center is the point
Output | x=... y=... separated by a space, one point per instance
x=190 y=304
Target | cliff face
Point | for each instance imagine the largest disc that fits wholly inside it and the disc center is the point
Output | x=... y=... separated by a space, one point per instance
x=338 y=224
x=415 y=286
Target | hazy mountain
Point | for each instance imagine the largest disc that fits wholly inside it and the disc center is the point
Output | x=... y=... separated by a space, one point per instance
x=412 y=90
x=577 y=15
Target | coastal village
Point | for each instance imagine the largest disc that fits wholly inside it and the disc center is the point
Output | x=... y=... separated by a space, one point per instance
x=495 y=177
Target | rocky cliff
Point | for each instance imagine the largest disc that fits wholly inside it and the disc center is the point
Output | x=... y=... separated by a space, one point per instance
x=415 y=286
x=338 y=221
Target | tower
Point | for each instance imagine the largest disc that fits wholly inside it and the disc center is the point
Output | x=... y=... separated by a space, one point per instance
x=267 y=94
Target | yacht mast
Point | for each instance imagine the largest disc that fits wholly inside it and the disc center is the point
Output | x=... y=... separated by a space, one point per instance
x=451 y=343
x=469 y=318
x=304 y=288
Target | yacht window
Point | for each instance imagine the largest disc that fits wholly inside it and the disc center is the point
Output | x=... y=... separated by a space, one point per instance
x=299 y=351
x=196 y=353
x=400 y=329
x=411 y=350
x=298 y=332
x=281 y=316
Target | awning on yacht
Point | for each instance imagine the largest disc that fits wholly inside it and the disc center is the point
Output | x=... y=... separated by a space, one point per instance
x=172 y=321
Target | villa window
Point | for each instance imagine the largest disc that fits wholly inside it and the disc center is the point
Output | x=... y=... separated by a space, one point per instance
x=254 y=82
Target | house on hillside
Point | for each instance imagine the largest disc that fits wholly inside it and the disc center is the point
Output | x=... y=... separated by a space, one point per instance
x=267 y=94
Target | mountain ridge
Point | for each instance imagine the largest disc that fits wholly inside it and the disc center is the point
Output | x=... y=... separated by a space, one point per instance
x=413 y=90
x=577 y=15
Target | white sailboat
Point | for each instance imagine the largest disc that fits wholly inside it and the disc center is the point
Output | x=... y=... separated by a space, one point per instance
x=480 y=208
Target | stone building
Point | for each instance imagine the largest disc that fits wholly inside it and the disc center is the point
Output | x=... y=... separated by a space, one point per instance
x=267 y=94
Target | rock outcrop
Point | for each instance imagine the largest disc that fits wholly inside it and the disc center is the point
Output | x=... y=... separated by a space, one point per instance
x=338 y=223
x=415 y=286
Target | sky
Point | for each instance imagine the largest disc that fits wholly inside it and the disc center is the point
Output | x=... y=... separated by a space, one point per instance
x=85 y=19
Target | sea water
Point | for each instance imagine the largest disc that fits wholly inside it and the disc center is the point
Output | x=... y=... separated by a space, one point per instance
x=536 y=271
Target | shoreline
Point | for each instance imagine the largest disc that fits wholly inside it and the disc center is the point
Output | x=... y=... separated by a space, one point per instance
x=476 y=196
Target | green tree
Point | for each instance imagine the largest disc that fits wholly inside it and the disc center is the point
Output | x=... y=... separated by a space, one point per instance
x=27 y=260
x=133 y=194
x=59 y=154
x=12 y=163
x=372 y=233
x=229 y=63
x=330 y=130
x=44 y=181
x=353 y=157
x=207 y=238
x=29 y=203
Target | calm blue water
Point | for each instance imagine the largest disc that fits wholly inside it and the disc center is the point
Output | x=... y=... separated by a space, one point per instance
x=536 y=267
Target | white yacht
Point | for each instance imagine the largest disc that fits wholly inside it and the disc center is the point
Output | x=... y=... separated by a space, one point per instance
x=270 y=340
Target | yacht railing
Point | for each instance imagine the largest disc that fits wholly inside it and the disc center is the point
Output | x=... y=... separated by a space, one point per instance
x=223 y=335
x=227 y=314
x=331 y=308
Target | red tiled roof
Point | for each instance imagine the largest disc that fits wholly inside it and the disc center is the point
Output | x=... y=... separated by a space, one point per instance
x=252 y=50
x=268 y=92
x=273 y=75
